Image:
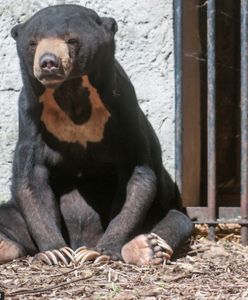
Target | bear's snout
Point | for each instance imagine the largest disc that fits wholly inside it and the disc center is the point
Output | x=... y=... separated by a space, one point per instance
x=49 y=62
x=52 y=61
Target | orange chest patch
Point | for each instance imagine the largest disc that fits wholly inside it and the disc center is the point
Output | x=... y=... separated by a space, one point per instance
x=59 y=124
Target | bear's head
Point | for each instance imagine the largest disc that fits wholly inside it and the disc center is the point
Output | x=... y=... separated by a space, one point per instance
x=63 y=42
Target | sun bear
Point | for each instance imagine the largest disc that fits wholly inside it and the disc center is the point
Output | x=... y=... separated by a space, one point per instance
x=87 y=167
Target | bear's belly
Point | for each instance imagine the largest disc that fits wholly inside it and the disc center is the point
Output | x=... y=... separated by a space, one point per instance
x=59 y=124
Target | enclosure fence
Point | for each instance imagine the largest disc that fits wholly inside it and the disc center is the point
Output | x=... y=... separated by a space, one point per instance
x=212 y=214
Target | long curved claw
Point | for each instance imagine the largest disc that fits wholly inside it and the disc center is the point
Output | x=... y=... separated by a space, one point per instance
x=165 y=248
x=69 y=252
x=63 y=256
x=79 y=253
x=102 y=258
x=68 y=249
x=80 y=249
x=89 y=256
x=43 y=258
x=85 y=255
x=52 y=257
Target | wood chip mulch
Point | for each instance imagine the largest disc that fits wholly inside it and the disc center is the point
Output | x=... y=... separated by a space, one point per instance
x=203 y=270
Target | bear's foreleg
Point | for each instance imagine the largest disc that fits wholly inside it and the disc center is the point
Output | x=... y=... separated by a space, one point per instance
x=34 y=197
x=141 y=190
x=82 y=221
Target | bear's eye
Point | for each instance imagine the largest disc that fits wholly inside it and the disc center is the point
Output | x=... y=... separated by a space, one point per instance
x=73 y=42
x=32 y=44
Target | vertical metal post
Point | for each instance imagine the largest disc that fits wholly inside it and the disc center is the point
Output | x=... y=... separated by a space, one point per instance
x=178 y=14
x=244 y=117
x=211 y=117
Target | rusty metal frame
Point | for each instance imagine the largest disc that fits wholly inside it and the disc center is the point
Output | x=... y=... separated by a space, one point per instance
x=244 y=116
x=213 y=215
x=178 y=42
x=227 y=215
x=211 y=112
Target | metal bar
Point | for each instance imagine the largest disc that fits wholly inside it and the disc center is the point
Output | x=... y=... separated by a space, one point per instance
x=211 y=116
x=225 y=214
x=244 y=116
x=178 y=14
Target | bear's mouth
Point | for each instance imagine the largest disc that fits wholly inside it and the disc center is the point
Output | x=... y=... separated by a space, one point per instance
x=51 y=80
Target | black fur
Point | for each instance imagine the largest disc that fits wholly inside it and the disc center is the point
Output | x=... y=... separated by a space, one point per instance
x=100 y=195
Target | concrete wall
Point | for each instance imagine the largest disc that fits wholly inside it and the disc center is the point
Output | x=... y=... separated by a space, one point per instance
x=144 y=48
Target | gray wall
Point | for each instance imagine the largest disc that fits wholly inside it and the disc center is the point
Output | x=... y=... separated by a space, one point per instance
x=144 y=48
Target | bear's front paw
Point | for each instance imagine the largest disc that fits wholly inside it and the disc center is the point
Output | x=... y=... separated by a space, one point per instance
x=67 y=257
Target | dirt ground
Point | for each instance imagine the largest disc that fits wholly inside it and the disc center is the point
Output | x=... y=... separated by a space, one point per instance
x=203 y=270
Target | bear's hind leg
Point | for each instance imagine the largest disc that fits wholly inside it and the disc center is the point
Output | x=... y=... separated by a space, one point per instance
x=9 y=250
x=15 y=240
x=157 y=246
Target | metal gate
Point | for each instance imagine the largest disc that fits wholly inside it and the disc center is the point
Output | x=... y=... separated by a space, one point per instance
x=212 y=214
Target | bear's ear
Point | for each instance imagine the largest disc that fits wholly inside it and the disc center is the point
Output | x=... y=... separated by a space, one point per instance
x=15 y=31
x=110 y=24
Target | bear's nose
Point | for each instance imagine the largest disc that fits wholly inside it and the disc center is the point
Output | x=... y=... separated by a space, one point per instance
x=49 y=62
